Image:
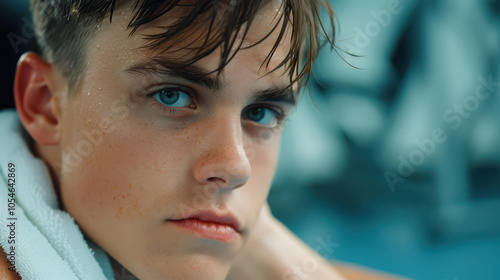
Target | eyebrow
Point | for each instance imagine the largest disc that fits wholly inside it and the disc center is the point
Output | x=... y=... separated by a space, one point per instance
x=276 y=94
x=197 y=75
x=188 y=72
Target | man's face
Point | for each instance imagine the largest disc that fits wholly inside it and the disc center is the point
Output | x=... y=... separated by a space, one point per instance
x=142 y=152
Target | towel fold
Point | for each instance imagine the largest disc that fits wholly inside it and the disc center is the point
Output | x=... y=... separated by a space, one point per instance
x=48 y=243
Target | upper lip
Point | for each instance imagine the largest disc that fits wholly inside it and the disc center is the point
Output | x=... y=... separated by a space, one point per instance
x=211 y=216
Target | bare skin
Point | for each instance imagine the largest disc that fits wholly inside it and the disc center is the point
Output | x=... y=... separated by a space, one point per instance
x=127 y=163
x=5 y=273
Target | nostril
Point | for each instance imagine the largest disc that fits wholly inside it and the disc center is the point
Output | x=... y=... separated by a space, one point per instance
x=239 y=186
x=218 y=180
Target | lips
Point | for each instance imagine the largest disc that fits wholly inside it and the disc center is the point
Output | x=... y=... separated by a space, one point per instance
x=210 y=225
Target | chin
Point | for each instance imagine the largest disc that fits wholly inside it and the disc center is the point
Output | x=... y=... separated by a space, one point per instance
x=194 y=267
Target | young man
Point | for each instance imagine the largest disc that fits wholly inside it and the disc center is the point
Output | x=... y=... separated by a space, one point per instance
x=160 y=122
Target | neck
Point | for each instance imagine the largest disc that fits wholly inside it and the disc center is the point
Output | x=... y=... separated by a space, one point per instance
x=120 y=271
x=50 y=155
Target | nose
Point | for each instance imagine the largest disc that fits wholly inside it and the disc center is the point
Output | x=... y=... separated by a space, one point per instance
x=223 y=160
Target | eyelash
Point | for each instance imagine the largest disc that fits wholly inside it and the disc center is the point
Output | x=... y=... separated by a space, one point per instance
x=171 y=109
x=279 y=113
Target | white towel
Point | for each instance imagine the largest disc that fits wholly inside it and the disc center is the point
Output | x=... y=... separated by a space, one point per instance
x=48 y=243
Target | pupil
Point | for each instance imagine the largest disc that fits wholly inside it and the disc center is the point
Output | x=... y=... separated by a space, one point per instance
x=169 y=97
x=257 y=114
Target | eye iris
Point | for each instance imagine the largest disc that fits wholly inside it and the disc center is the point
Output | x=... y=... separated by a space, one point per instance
x=256 y=114
x=169 y=97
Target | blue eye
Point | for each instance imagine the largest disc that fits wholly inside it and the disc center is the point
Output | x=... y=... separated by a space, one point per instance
x=263 y=115
x=173 y=97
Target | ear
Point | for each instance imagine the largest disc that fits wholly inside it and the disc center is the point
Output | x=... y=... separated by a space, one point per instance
x=36 y=103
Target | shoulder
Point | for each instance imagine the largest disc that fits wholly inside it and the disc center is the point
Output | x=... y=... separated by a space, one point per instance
x=5 y=273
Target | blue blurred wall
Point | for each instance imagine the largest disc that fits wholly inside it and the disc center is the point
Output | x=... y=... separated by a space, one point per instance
x=399 y=161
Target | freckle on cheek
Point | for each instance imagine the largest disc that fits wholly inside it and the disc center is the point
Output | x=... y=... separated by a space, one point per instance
x=137 y=208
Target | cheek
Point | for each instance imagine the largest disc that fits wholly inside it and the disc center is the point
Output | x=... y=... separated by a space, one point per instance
x=263 y=154
x=123 y=177
x=98 y=187
x=265 y=163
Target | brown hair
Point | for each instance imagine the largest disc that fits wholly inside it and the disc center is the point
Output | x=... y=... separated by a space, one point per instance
x=63 y=27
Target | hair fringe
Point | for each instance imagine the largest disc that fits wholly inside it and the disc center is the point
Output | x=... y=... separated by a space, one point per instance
x=227 y=19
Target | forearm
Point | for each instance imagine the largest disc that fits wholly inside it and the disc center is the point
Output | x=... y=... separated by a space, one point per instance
x=278 y=254
x=354 y=272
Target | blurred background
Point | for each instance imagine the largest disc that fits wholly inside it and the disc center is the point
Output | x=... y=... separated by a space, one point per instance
x=396 y=160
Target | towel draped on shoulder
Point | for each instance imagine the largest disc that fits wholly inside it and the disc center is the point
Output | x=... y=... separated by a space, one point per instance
x=48 y=243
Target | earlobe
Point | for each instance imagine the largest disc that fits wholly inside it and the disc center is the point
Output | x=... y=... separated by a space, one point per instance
x=36 y=103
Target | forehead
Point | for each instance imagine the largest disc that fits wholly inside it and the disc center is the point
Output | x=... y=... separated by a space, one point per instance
x=197 y=40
